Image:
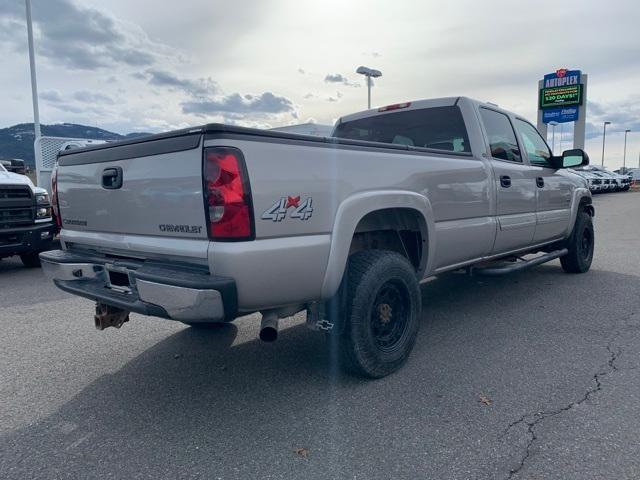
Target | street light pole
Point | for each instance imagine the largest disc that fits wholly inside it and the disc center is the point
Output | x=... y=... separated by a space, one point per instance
x=604 y=136
x=624 y=156
x=369 y=73
x=32 y=66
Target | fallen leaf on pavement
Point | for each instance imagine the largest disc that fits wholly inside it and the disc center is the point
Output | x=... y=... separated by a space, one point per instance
x=484 y=400
x=303 y=452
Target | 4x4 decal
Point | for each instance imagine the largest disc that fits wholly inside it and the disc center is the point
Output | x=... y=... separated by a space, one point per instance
x=279 y=210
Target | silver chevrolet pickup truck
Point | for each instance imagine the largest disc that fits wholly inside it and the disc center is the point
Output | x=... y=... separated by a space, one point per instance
x=207 y=224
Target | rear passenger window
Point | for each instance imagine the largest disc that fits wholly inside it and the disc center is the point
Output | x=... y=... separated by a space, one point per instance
x=502 y=138
x=440 y=128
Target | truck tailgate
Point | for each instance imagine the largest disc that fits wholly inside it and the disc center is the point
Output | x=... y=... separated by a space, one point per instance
x=145 y=187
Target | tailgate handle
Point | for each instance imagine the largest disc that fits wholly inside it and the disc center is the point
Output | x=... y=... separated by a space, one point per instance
x=112 y=178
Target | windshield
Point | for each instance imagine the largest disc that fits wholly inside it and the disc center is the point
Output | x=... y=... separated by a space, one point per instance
x=440 y=128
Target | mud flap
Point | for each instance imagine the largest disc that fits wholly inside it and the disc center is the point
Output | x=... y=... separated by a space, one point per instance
x=330 y=316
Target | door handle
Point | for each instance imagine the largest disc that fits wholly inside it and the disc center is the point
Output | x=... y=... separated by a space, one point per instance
x=540 y=182
x=505 y=181
x=112 y=178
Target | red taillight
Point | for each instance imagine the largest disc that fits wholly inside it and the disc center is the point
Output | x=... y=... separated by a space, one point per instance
x=227 y=195
x=54 y=197
x=395 y=106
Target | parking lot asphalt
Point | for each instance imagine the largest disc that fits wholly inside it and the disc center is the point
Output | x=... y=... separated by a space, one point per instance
x=530 y=376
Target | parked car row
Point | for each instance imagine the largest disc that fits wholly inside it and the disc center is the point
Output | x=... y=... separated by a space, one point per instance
x=634 y=173
x=601 y=180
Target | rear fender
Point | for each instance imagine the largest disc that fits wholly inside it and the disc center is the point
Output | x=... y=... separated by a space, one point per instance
x=353 y=209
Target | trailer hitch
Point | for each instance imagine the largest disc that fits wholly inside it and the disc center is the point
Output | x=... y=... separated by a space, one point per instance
x=108 y=316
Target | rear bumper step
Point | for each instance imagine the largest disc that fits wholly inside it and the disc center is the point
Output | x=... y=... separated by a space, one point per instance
x=520 y=265
x=143 y=287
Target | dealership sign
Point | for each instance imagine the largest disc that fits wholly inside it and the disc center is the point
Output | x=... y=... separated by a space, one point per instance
x=558 y=96
x=561 y=96
x=560 y=115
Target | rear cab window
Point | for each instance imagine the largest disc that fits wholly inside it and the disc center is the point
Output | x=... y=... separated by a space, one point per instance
x=439 y=128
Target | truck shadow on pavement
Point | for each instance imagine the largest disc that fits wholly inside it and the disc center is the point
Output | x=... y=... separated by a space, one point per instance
x=200 y=404
x=10 y=265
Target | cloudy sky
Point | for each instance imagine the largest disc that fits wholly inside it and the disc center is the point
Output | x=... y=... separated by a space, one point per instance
x=137 y=65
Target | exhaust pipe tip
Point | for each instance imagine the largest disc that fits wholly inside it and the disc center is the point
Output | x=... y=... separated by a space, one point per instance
x=269 y=327
x=269 y=334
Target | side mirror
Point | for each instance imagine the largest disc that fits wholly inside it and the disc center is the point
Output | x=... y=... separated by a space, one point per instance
x=574 y=158
x=571 y=159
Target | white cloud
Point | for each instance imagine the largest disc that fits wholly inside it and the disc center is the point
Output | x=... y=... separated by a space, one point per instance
x=236 y=106
x=197 y=87
x=142 y=66
x=82 y=38
x=339 y=78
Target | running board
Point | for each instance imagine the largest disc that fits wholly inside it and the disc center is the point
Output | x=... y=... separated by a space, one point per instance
x=520 y=265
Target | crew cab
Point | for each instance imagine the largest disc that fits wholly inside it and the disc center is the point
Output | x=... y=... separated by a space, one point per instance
x=215 y=222
x=26 y=224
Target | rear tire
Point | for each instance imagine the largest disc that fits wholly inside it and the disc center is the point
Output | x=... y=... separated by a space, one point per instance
x=580 y=245
x=383 y=307
x=31 y=260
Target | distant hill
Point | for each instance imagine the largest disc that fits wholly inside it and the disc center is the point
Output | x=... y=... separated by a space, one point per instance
x=17 y=141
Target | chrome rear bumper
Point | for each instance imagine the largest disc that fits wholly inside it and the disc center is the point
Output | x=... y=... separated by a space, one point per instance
x=148 y=288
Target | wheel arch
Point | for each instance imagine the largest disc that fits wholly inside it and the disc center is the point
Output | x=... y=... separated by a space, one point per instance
x=586 y=204
x=582 y=200
x=362 y=211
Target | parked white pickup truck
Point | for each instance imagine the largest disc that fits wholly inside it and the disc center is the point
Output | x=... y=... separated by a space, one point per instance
x=26 y=225
x=207 y=224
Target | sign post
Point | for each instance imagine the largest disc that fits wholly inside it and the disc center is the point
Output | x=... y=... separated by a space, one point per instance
x=579 y=128
x=562 y=98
